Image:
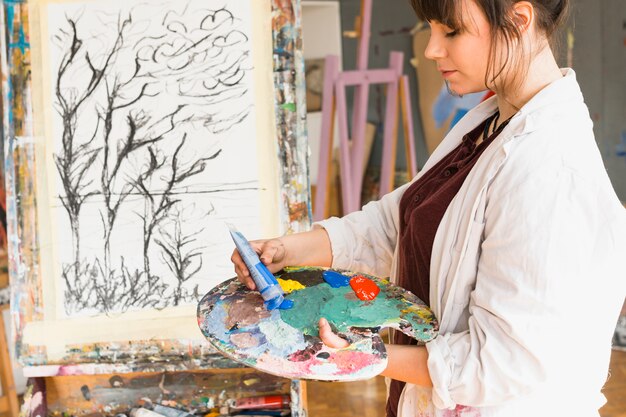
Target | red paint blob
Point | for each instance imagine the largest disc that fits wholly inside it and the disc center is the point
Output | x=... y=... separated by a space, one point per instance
x=364 y=288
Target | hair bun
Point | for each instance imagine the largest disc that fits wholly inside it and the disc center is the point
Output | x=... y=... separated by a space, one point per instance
x=560 y=11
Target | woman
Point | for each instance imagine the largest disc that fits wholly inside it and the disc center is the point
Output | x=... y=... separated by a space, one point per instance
x=512 y=232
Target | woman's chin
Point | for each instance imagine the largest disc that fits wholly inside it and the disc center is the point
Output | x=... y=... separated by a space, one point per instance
x=459 y=90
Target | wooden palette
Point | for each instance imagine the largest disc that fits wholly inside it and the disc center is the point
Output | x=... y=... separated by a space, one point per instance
x=286 y=342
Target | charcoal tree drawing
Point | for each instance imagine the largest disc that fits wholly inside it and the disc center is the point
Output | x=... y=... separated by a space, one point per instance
x=146 y=97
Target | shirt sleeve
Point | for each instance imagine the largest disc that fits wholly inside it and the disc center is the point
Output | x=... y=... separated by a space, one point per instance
x=365 y=240
x=548 y=255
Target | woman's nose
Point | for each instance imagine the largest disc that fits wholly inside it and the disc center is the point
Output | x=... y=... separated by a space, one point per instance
x=434 y=48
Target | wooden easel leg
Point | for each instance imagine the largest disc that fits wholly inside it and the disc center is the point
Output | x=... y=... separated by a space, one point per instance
x=407 y=124
x=8 y=400
x=298 y=398
x=359 y=123
x=390 y=138
x=360 y=101
x=350 y=200
x=331 y=70
x=330 y=172
x=363 y=30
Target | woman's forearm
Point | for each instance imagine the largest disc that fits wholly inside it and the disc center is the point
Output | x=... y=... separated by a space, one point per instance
x=408 y=364
x=405 y=363
x=308 y=248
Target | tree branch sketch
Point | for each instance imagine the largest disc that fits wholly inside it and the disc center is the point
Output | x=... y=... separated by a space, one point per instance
x=158 y=207
x=136 y=96
x=182 y=258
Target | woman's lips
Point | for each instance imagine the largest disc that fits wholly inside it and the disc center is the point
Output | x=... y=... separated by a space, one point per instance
x=447 y=73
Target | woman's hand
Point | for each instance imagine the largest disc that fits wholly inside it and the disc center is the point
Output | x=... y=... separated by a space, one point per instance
x=271 y=252
x=310 y=248
x=329 y=338
x=405 y=363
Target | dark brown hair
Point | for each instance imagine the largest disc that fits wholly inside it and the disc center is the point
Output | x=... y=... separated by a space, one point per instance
x=549 y=16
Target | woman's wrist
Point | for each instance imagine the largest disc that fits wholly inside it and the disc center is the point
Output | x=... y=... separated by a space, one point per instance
x=310 y=248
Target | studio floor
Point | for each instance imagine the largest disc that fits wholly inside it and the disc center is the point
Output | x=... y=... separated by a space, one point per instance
x=367 y=398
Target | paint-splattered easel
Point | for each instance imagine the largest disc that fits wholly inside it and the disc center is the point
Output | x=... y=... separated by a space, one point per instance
x=107 y=377
x=8 y=398
x=352 y=150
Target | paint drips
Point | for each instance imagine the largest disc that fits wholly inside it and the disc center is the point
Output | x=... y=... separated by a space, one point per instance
x=364 y=288
x=335 y=279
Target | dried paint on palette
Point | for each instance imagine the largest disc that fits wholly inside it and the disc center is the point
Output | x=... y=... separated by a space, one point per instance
x=287 y=343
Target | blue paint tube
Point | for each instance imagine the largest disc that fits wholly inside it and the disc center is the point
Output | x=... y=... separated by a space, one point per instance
x=265 y=282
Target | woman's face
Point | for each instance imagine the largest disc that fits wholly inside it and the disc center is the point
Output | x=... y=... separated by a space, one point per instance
x=462 y=56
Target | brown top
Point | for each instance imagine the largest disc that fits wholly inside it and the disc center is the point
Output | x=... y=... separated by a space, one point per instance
x=421 y=209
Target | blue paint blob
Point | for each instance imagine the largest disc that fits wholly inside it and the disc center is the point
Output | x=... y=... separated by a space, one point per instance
x=286 y=304
x=335 y=279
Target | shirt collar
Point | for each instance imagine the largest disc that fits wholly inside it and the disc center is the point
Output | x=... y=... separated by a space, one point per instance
x=563 y=90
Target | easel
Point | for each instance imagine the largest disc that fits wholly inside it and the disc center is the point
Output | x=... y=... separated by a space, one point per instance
x=105 y=377
x=351 y=150
x=8 y=399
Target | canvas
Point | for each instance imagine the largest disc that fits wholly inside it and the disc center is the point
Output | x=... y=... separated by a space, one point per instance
x=143 y=128
x=153 y=102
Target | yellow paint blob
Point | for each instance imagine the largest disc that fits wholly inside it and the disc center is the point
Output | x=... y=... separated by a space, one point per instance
x=289 y=285
x=419 y=311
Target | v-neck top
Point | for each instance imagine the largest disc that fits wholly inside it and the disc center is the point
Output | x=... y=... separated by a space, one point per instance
x=421 y=209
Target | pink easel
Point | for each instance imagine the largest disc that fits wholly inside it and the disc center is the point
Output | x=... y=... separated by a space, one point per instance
x=352 y=150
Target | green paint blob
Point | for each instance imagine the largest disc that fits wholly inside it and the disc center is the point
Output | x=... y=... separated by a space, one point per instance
x=340 y=307
x=289 y=106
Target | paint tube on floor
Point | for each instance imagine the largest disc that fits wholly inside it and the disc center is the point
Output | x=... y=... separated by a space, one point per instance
x=170 y=412
x=266 y=402
x=265 y=282
x=144 y=412
x=261 y=413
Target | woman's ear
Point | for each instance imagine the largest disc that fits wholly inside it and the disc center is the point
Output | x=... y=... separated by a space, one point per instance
x=523 y=15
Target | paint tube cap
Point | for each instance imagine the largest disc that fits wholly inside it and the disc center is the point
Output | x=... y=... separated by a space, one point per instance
x=274 y=302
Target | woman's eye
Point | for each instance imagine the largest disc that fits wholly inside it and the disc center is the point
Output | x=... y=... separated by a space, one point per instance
x=452 y=34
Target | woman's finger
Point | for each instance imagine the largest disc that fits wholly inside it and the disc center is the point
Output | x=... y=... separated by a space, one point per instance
x=329 y=338
x=243 y=275
x=235 y=258
x=240 y=266
x=268 y=255
x=244 y=278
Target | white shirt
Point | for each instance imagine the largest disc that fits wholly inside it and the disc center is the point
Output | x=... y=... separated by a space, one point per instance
x=526 y=271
